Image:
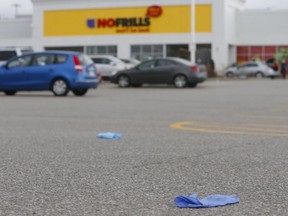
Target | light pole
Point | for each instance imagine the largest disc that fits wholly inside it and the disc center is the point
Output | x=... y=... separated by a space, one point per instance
x=193 y=32
x=16 y=9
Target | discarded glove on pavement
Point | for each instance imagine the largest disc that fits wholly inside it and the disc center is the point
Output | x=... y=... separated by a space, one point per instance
x=207 y=202
x=109 y=135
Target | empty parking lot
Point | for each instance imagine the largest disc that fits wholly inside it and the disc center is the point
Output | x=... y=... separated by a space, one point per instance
x=223 y=137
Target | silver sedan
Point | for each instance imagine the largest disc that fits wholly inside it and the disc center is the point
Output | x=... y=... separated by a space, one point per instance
x=256 y=69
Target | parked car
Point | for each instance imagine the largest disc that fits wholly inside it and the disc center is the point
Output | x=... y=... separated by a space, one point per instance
x=257 y=69
x=8 y=53
x=56 y=71
x=107 y=65
x=175 y=71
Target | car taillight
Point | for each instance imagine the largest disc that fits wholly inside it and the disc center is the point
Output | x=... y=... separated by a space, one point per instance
x=77 y=64
x=194 y=68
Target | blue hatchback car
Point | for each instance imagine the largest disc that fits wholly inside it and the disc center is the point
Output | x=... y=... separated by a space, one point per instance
x=55 y=71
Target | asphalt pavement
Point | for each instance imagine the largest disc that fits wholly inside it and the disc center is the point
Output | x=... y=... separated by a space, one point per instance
x=223 y=137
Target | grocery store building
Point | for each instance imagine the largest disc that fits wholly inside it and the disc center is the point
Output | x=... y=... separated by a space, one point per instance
x=145 y=29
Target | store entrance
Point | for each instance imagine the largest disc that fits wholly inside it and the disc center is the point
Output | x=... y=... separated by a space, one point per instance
x=178 y=50
x=203 y=53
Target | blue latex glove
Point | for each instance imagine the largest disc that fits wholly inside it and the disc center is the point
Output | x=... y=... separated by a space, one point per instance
x=109 y=135
x=207 y=202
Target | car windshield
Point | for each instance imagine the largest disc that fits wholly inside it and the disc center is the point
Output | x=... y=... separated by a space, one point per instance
x=118 y=61
x=85 y=60
x=126 y=61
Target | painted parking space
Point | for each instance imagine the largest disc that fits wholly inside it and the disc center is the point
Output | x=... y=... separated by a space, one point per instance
x=239 y=129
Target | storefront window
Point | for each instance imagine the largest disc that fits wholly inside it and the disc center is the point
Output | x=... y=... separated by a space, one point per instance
x=72 y=48
x=90 y=50
x=147 y=49
x=146 y=52
x=112 y=49
x=101 y=50
x=135 y=49
x=260 y=53
x=158 y=49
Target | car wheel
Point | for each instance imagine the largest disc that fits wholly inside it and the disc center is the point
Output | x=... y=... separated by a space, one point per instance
x=123 y=81
x=79 y=92
x=60 y=87
x=180 y=81
x=10 y=92
x=193 y=85
x=229 y=74
x=259 y=75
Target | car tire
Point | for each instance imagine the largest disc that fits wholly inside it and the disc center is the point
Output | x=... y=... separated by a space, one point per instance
x=180 y=81
x=80 y=92
x=123 y=81
x=60 y=87
x=229 y=74
x=10 y=92
x=259 y=74
x=193 y=85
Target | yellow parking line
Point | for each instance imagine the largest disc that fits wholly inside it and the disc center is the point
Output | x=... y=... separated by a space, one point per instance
x=269 y=125
x=244 y=127
x=187 y=126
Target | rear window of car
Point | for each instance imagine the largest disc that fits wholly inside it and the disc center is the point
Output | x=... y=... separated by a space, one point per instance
x=165 y=63
x=182 y=61
x=5 y=55
x=85 y=60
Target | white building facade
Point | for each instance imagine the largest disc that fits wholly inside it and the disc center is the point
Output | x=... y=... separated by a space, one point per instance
x=145 y=29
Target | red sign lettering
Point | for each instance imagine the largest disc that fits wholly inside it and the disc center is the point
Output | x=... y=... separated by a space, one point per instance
x=101 y=23
x=154 y=11
x=110 y=23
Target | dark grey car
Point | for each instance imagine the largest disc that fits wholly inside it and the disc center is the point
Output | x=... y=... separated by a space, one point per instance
x=175 y=71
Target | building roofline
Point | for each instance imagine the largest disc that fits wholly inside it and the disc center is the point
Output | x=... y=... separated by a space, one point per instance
x=264 y=10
